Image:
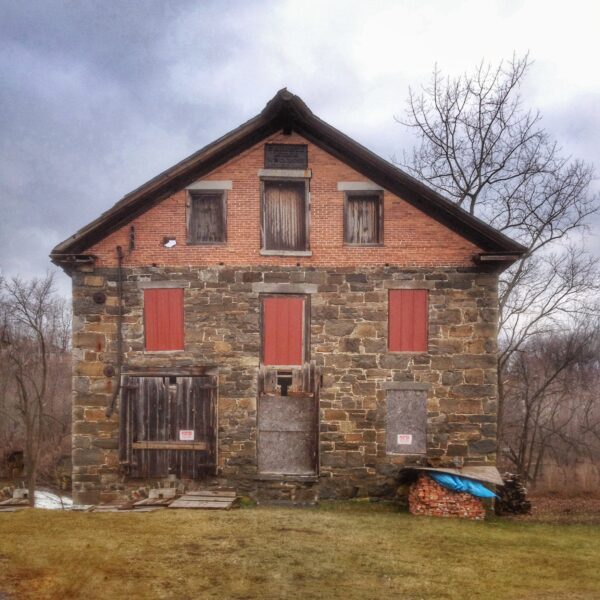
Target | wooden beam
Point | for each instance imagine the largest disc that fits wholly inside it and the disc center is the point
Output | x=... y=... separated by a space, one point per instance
x=170 y=445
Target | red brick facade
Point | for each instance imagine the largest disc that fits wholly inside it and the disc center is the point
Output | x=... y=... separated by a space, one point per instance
x=411 y=238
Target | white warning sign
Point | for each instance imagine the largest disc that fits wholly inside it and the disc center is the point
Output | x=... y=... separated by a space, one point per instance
x=404 y=439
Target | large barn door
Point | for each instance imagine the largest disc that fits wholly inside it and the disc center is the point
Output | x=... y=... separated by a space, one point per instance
x=168 y=426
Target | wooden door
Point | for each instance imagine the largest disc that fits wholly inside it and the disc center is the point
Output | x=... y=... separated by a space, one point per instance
x=284 y=328
x=288 y=421
x=168 y=425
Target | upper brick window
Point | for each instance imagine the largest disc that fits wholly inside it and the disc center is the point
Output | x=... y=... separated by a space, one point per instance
x=206 y=217
x=408 y=315
x=363 y=218
x=285 y=216
x=163 y=319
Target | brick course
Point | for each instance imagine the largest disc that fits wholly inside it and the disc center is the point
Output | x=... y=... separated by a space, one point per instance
x=411 y=238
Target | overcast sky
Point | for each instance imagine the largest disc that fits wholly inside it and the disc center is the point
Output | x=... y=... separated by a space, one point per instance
x=96 y=97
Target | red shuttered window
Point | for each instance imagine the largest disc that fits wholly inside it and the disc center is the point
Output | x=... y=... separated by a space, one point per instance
x=163 y=319
x=283 y=330
x=408 y=312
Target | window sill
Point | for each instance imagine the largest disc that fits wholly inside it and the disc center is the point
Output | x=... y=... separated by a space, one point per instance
x=206 y=244
x=286 y=252
x=376 y=245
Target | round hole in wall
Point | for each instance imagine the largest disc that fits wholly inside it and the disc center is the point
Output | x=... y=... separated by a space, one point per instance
x=108 y=371
x=99 y=297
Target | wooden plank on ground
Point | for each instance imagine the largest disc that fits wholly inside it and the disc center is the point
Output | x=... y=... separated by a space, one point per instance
x=153 y=502
x=215 y=493
x=15 y=502
x=182 y=503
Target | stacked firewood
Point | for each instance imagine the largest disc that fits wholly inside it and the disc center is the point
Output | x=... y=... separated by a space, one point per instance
x=426 y=497
x=512 y=496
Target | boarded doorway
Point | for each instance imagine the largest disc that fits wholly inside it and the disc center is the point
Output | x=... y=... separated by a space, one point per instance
x=168 y=426
x=288 y=390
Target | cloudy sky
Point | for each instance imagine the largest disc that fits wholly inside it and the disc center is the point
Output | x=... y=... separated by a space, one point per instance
x=96 y=97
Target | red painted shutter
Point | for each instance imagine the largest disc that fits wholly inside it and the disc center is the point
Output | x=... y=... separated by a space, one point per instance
x=283 y=328
x=408 y=312
x=163 y=319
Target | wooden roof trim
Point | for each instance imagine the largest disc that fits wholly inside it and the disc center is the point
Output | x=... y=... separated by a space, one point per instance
x=288 y=112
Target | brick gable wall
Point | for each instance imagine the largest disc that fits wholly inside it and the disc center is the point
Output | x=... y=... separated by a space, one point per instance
x=411 y=238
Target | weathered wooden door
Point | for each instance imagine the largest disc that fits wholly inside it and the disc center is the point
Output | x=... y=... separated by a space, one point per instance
x=288 y=421
x=168 y=426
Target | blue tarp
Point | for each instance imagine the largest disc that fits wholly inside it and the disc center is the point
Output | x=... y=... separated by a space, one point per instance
x=462 y=484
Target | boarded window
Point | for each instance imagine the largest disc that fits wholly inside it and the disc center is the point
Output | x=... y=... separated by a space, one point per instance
x=407 y=320
x=283 y=330
x=163 y=319
x=206 y=218
x=284 y=215
x=363 y=219
x=406 y=422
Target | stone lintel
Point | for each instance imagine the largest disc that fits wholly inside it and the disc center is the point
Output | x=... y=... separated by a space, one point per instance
x=299 y=173
x=405 y=385
x=285 y=288
x=409 y=285
x=358 y=186
x=146 y=284
x=210 y=185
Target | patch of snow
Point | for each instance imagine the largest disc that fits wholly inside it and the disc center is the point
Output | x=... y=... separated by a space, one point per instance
x=51 y=501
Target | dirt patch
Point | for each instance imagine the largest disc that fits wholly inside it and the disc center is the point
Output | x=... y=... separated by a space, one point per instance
x=556 y=508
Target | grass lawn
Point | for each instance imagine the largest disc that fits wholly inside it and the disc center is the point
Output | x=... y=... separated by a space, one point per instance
x=344 y=551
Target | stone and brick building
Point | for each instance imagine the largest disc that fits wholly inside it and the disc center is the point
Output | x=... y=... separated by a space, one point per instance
x=284 y=312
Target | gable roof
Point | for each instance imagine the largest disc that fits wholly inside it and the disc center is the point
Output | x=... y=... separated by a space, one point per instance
x=288 y=112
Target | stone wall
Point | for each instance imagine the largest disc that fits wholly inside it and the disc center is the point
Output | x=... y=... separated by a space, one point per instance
x=348 y=342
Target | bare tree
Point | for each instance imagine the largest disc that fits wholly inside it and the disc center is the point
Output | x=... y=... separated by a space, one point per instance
x=481 y=148
x=552 y=409
x=34 y=336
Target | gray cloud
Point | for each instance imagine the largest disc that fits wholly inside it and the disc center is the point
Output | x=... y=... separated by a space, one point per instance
x=98 y=97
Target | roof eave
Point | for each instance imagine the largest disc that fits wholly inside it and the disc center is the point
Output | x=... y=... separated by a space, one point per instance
x=287 y=111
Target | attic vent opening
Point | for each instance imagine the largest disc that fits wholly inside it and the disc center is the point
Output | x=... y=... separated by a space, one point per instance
x=286 y=156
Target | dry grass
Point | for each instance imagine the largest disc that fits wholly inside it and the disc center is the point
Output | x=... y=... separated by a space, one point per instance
x=344 y=551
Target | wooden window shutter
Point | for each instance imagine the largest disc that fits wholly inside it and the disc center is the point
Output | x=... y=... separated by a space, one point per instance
x=363 y=222
x=163 y=318
x=206 y=218
x=283 y=330
x=284 y=216
x=408 y=315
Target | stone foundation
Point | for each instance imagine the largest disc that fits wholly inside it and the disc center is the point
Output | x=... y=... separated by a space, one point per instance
x=348 y=342
x=429 y=498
